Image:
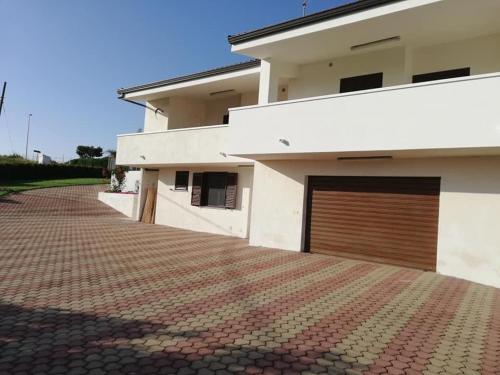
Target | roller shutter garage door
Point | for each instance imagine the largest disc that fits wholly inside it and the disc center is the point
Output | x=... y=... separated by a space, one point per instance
x=392 y=220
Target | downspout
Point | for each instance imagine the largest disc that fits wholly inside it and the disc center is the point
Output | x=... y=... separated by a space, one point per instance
x=155 y=110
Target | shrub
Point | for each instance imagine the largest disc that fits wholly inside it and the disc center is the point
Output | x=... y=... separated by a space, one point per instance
x=12 y=171
x=14 y=159
x=118 y=180
x=90 y=162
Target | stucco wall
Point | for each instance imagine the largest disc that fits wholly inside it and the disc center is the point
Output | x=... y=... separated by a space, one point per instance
x=174 y=207
x=469 y=217
x=217 y=108
x=127 y=204
x=481 y=54
x=322 y=79
x=155 y=121
x=186 y=112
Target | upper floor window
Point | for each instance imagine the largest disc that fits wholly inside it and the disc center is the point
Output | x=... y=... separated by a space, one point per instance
x=364 y=82
x=444 y=74
x=181 y=180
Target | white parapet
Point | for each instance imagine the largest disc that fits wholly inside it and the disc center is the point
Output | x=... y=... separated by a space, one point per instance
x=451 y=115
x=126 y=203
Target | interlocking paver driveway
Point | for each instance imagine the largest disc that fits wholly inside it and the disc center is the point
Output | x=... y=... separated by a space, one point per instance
x=85 y=291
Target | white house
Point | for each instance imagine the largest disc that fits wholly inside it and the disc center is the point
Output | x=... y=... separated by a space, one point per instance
x=369 y=131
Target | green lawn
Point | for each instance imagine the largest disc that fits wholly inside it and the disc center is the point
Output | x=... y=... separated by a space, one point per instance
x=7 y=187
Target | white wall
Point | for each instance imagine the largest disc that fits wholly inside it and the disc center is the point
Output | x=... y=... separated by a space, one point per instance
x=481 y=54
x=156 y=121
x=249 y=98
x=217 y=108
x=127 y=204
x=450 y=115
x=200 y=145
x=186 y=112
x=174 y=208
x=322 y=79
x=469 y=217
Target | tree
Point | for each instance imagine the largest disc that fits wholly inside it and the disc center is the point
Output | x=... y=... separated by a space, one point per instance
x=89 y=151
x=96 y=152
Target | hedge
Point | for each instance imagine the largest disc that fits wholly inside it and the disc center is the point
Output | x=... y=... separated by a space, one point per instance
x=9 y=171
x=90 y=162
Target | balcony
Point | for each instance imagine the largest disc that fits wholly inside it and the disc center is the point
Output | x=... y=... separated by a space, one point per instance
x=449 y=117
x=198 y=145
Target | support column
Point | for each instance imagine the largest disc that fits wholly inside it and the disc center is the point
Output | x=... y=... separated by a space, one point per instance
x=408 y=65
x=270 y=73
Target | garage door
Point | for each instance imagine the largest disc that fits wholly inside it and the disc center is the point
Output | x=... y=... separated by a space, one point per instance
x=392 y=220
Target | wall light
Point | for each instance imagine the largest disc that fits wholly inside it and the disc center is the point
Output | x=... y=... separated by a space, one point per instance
x=284 y=141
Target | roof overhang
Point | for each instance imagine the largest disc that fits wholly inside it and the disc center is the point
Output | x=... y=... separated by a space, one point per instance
x=239 y=77
x=416 y=22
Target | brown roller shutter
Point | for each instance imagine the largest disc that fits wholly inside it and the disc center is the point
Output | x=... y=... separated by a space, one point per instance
x=231 y=190
x=391 y=220
x=197 y=189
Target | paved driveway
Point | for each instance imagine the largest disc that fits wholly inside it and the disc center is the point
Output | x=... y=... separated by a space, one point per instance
x=85 y=291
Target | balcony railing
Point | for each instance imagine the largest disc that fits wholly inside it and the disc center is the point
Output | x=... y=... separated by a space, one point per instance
x=199 y=145
x=455 y=114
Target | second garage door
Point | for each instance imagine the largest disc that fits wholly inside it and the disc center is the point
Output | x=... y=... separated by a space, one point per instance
x=393 y=220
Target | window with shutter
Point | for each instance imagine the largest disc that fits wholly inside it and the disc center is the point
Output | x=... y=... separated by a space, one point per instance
x=231 y=189
x=196 y=191
x=214 y=189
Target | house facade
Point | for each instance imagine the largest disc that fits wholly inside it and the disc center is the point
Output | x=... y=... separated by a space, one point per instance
x=369 y=131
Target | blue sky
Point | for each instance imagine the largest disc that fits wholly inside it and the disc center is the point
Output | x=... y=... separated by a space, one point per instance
x=63 y=60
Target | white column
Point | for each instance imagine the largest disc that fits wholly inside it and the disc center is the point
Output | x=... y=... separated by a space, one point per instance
x=408 y=67
x=270 y=74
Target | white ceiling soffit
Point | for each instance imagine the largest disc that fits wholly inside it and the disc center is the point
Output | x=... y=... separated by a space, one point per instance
x=416 y=22
x=240 y=81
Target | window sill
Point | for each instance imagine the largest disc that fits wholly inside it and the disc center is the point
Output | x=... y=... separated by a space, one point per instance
x=217 y=207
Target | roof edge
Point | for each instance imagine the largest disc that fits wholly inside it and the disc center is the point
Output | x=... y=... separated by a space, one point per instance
x=342 y=10
x=190 y=77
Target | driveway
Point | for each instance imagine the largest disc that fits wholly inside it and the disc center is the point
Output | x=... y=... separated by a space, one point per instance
x=86 y=291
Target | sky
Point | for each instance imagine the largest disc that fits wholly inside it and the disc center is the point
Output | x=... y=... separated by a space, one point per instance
x=63 y=60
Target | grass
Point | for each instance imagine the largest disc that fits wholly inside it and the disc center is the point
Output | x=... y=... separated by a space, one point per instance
x=7 y=187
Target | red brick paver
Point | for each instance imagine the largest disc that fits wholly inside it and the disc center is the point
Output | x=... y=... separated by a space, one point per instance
x=84 y=290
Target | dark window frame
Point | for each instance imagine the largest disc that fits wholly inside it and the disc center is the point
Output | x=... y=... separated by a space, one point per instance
x=214 y=178
x=441 y=74
x=181 y=185
x=224 y=195
x=371 y=81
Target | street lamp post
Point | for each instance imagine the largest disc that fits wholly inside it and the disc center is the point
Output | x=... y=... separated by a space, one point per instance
x=28 y=136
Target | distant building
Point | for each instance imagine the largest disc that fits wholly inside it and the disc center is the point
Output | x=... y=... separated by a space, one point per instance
x=43 y=159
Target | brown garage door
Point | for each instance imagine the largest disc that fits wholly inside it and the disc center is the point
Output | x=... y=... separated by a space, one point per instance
x=391 y=220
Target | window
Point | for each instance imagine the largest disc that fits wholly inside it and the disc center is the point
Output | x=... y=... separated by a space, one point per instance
x=214 y=189
x=445 y=74
x=225 y=119
x=181 y=180
x=366 y=82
